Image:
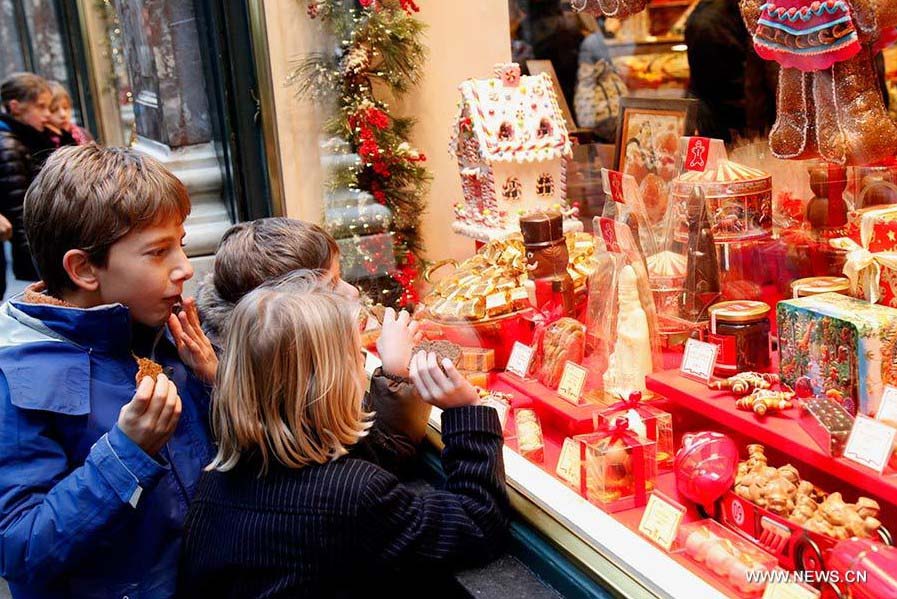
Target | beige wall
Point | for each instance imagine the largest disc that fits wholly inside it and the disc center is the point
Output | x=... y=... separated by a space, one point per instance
x=291 y=34
x=465 y=37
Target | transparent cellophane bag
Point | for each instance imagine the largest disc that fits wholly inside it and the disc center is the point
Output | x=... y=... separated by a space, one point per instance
x=638 y=351
x=624 y=203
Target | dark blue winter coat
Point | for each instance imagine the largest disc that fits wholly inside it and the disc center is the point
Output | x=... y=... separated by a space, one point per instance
x=84 y=512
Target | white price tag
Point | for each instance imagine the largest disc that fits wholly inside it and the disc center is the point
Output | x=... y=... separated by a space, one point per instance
x=661 y=520
x=569 y=463
x=499 y=406
x=887 y=409
x=870 y=443
x=699 y=359
x=573 y=379
x=521 y=358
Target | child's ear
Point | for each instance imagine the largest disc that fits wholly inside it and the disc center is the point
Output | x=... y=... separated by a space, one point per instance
x=14 y=106
x=81 y=270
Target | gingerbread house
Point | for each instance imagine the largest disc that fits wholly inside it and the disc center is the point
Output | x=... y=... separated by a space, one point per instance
x=512 y=147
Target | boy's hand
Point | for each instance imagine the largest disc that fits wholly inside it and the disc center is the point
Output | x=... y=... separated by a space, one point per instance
x=150 y=418
x=397 y=338
x=194 y=347
x=443 y=390
x=5 y=229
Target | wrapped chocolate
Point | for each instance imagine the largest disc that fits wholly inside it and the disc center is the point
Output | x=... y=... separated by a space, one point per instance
x=622 y=322
x=491 y=283
x=477 y=359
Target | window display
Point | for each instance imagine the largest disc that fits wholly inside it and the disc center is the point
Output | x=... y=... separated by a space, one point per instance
x=786 y=265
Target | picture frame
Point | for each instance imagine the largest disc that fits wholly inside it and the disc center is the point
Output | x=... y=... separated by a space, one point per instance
x=648 y=134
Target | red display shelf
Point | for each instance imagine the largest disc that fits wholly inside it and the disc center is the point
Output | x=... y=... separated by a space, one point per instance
x=781 y=431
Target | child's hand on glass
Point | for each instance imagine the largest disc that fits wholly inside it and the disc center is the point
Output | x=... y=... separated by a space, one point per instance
x=194 y=348
x=397 y=338
x=444 y=390
x=152 y=415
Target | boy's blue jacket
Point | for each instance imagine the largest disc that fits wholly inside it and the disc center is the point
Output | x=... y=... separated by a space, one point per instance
x=84 y=512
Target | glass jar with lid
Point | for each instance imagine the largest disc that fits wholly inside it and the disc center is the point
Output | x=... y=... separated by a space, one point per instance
x=816 y=285
x=741 y=330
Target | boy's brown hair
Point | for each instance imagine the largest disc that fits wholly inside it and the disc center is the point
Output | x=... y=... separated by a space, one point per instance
x=255 y=252
x=89 y=197
x=23 y=87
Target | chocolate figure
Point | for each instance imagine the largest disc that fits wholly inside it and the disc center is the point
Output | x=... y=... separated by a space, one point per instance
x=546 y=261
x=702 y=285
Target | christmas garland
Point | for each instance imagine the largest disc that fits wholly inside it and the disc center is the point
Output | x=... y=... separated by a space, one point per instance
x=379 y=46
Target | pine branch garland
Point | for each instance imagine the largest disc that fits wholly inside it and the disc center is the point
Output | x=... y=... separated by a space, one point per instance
x=379 y=45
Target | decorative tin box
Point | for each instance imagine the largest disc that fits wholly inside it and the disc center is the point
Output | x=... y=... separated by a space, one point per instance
x=839 y=343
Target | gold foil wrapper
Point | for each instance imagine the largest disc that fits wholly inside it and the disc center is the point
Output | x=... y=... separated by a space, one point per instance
x=497 y=304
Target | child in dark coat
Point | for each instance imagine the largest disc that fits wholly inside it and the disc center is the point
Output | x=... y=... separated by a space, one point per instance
x=284 y=510
x=24 y=146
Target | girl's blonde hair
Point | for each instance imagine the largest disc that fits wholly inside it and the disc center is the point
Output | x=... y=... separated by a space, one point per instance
x=290 y=382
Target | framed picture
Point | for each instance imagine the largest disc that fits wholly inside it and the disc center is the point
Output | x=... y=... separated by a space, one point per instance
x=648 y=136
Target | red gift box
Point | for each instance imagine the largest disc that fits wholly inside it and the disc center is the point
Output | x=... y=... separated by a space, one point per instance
x=872 y=254
x=658 y=425
x=613 y=468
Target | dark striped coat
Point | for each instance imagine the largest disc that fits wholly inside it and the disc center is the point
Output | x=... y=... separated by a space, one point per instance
x=346 y=528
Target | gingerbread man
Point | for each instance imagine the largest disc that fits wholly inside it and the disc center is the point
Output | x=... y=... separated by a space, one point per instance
x=829 y=99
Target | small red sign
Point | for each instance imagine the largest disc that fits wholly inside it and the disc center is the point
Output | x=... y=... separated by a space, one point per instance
x=698 y=154
x=609 y=234
x=616 y=185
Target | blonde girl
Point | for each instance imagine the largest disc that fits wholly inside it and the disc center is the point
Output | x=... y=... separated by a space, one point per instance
x=284 y=508
x=60 y=126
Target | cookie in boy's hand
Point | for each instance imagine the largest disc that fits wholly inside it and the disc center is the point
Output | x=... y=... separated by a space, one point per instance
x=146 y=367
x=443 y=349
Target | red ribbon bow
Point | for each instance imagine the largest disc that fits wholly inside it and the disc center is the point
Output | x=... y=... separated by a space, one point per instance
x=632 y=403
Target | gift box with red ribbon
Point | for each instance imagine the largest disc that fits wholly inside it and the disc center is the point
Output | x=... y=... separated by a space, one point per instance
x=646 y=420
x=614 y=467
x=871 y=259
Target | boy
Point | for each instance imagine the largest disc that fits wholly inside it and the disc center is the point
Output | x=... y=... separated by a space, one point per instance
x=95 y=478
x=23 y=148
x=253 y=253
